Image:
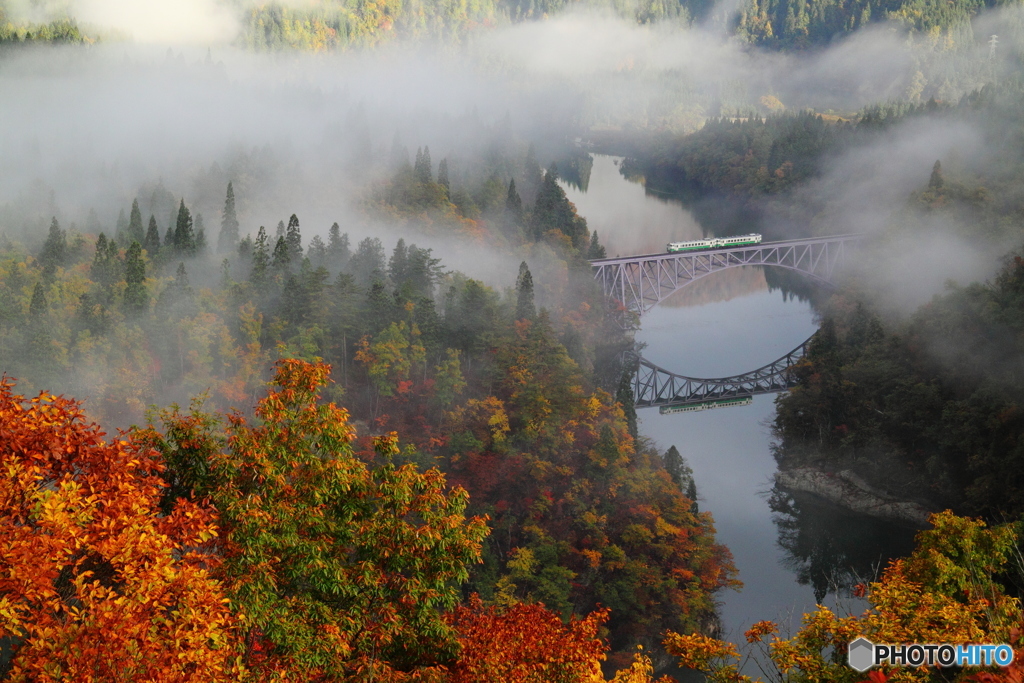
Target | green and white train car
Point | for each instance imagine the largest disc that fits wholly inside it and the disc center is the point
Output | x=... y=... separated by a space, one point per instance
x=714 y=243
x=707 y=405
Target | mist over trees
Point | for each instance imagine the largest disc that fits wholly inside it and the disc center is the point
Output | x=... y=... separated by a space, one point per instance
x=411 y=450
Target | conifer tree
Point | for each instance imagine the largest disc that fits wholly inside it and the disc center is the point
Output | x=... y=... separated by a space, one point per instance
x=260 y=258
x=596 y=250
x=424 y=168
x=317 y=252
x=513 y=202
x=525 y=308
x=398 y=265
x=338 y=252
x=55 y=249
x=228 y=237
x=294 y=240
x=442 y=174
x=37 y=306
x=936 y=181
x=152 y=241
x=184 y=239
x=200 y=248
x=625 y=397
x=135 y=230
x=136 y=295
x=281 y=258
x=280 y=229
x=245 y=249
x=106 y=265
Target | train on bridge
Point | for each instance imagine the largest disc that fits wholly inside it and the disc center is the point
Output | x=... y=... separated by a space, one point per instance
x=713 y=243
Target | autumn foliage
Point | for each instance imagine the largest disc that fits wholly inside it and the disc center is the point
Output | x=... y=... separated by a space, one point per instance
x=95 y=583
x=526 y=644
x=947 y=591
x=339 y=570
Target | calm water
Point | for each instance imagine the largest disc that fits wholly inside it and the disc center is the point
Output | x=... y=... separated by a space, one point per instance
x=727 y=324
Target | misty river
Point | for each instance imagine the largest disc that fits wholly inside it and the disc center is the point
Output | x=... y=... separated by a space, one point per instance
x=726 y=324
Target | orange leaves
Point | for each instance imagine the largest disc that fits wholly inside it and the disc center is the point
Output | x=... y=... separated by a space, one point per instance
x=339 y=569
x=94 y=583
x=759 y=630
x=715 y=657
x=945 y=592
x=526 y=644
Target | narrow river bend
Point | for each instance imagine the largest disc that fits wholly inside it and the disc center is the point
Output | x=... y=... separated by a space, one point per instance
x=726 y=324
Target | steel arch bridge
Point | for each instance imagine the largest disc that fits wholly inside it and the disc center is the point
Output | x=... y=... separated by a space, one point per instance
x=656 y=386
x=641 y=282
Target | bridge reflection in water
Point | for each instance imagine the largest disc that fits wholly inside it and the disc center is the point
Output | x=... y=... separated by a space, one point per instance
x=656 y=386
x=638 y=283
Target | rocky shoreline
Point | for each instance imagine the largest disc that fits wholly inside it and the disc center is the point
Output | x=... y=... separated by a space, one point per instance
x=846 y=489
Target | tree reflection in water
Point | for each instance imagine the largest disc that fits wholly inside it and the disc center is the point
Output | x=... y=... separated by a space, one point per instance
x=830 y=548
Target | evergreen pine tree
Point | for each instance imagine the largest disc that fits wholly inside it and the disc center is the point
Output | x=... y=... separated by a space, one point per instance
x=55 y=250
x=200 y=235
x=625 y=397
x=169 y=237
x=398 y=265
x=281 y=258
x=338 y=252
x=317 y=252
x=525 y=308
x=442 y=174
x=596 y=250
x=513 y=202
x=280 y=229
x=106 y=266
x=260 y=258
x=136 y=295
x=245 y=249
x=294 y=240
x=421 y=273
x=228 y=237
x=184 y=236
x=424 y=167
x=674 y=465
x=37 y=306
x=135 y=230
x=936 y=181
x=152 y=241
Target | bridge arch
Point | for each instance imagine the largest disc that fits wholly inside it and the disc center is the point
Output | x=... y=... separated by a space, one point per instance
x=641 y=282
x=656 y=386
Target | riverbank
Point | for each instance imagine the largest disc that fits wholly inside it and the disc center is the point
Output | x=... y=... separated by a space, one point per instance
x=847 y=490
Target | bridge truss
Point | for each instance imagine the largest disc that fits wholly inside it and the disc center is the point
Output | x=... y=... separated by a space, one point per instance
x=641 y=282
x=656 y=386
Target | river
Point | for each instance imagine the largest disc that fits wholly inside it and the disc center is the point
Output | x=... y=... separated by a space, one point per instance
x=726 y=324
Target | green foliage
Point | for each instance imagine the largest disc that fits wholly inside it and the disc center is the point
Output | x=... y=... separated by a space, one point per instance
x=938 y=395
x=136 y=295
x=335 y=567
x=801 y=24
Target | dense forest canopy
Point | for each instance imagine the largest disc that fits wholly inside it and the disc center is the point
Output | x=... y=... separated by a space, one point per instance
x=375 y=419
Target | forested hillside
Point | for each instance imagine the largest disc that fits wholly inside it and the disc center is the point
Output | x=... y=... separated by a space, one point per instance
x=520 y=405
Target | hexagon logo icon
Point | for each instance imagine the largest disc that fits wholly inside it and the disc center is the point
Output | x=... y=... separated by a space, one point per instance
x=861 y=654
